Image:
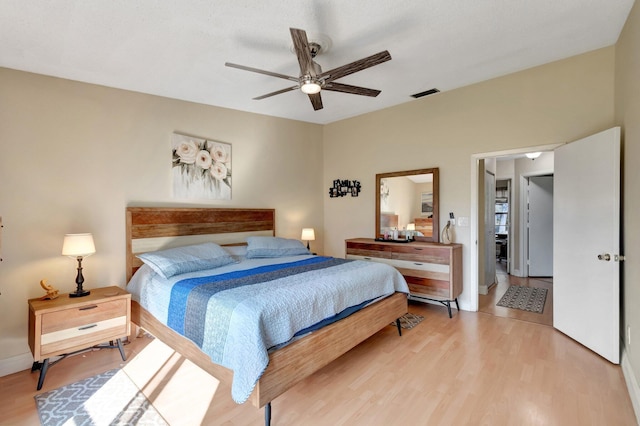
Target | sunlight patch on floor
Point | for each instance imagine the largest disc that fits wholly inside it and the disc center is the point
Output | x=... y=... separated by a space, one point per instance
x=172 y=383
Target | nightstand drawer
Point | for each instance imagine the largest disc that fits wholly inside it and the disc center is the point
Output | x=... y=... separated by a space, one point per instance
x=83 y=315
x=88 y=334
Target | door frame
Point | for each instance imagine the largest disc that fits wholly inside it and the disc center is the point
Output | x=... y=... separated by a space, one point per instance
x=473 y=219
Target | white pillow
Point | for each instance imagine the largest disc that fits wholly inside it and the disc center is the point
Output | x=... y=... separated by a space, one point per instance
x=181 y=260
x=274 y=247
x=238 y=251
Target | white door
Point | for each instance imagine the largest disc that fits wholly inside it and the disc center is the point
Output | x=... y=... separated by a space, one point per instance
x=586 y=243
x=540 y=226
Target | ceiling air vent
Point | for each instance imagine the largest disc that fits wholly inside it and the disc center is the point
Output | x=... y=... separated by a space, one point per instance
x=425 y=93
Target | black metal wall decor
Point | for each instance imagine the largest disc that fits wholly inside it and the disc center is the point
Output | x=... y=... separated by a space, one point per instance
x=342 y=188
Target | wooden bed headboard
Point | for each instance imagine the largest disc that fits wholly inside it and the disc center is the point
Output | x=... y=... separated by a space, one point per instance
x=156 y=228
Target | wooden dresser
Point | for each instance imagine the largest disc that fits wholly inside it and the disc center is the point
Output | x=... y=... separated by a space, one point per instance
x=432 y=270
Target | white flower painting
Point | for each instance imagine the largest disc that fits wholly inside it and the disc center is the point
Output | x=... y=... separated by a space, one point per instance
x=201 y=168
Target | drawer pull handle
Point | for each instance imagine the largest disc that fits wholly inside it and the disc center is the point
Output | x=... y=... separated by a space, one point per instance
x=86 y=308
x=419 y=264
x=366 y=258
x=417 y=248
x=86 y=327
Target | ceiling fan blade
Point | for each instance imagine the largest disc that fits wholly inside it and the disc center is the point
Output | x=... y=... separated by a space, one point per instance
x=316 y=101
x=356 y=66
x=259 y=71
x=277 y=92
x=347 y=88
x=301 y=45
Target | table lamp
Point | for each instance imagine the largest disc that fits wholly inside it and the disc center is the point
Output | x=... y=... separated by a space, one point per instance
x=78 y=246
x=308 y=234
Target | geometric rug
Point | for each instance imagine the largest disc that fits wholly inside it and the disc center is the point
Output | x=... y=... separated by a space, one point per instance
x=409 y=320
x=109 y=398
x=530 y=299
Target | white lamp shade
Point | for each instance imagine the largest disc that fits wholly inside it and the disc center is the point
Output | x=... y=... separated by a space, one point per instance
x=308 y=234
x=411 y=227
x=78 y=245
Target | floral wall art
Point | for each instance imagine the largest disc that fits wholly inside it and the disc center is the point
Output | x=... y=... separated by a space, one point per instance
x=201 y=168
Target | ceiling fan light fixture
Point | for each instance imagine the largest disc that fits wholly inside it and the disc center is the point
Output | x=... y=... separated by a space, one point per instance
x=533 y=155
x=310 y=87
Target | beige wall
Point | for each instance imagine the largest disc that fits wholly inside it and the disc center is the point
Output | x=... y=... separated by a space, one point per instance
x=627 y=110
x=554 y=103
x=74 y=155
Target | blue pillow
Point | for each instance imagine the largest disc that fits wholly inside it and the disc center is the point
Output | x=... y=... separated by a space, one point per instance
x=274 y=247
x=181 y=260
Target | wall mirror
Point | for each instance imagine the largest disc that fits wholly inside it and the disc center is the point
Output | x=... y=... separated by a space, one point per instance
x=408 y=201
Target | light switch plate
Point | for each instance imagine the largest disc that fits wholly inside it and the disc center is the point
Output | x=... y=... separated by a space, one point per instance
x=463 y=221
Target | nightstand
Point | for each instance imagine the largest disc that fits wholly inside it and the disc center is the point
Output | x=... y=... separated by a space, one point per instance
x=65 y=325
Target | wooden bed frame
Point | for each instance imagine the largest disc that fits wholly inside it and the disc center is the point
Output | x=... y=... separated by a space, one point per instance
x=154 y=228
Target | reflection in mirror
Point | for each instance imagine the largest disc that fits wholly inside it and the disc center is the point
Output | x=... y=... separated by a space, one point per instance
x=407 y=202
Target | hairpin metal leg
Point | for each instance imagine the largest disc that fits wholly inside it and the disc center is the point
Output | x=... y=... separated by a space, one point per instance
x=43 y=371
x=399 y=326
x=267 y=414
x=111 y=345
x=121 y=349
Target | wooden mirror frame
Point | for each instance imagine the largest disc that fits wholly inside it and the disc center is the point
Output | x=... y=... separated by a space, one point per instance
x=435 y=237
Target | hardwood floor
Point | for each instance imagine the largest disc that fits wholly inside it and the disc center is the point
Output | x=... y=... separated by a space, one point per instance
x=487 y=303
x=473 y=369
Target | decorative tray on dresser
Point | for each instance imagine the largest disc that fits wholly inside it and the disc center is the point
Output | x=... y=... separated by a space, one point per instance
x=432 y=270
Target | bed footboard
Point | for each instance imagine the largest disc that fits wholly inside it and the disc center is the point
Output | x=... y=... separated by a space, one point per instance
x=294 y=362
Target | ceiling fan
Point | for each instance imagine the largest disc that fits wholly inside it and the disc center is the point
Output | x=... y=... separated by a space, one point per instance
x=312 y=79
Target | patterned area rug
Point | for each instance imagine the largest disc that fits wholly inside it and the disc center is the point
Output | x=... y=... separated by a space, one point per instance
x=110 y=398
x=409 y=320
x=529 y=299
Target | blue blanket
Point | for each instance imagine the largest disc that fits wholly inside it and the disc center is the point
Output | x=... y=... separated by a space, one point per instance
x=235 y=316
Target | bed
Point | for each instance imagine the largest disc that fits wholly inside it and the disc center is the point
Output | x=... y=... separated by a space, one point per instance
x=149 y=229
x=424 y=226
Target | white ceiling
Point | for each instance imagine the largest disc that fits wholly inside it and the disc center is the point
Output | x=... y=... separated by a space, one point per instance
x=177 y=48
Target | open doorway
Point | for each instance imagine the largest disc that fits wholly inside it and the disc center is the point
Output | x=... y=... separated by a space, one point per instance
x=510 y=248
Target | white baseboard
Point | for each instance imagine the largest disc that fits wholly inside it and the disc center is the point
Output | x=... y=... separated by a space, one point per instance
x=16 y=363
x=632 y=383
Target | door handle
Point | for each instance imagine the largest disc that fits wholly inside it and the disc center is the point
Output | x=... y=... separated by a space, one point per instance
x=606 y=257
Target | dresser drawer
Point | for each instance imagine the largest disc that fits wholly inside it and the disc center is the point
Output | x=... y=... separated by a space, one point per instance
x=386 y=260
x=422 y=254
x=435 y=289
x=441 y=270
x=426 y=279
x=368 y=250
